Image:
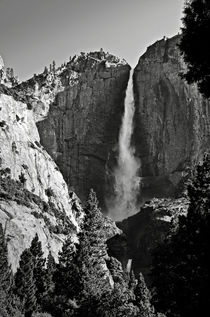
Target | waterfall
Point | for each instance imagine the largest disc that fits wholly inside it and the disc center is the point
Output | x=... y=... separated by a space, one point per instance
x=127 y=181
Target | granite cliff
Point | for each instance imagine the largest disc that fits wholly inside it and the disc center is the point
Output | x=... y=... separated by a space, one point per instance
x=59 y=133
x=171 y=134
x=78 y=110
x=172 y=128
x=33 y=194
x=34 y=197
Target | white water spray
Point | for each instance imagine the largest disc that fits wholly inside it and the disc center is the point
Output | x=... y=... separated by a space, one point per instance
x=127 y=182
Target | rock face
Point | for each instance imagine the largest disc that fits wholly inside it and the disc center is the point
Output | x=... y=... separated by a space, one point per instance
x=26 y=159
x=74 y=107
x=83 y=122
x=172 y=128
x=143 y=231
x=78 y=109
x=33 y=194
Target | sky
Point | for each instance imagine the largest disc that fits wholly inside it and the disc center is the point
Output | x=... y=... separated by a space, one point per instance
x=33 y=33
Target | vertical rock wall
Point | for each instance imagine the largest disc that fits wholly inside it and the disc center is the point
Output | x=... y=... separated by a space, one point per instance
x=171 y=121
x=82 y=126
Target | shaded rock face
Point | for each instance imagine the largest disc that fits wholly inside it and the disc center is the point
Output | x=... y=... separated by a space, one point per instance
x=143 y=231
x=82 y=125
x=171 y=120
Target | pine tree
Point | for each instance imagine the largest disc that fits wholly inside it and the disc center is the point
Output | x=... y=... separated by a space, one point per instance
x=119 y=302
x=51 y=267
x=25 y=284
x=194 y=43
x=67 y=274
x=87 y=282
x=45 y=70
x=66 y=278
x=46 y=301
x=92 y=249
x=53 y=66
x=39 y=267
x=143 y=298
x=6 y=278
x=8 y=302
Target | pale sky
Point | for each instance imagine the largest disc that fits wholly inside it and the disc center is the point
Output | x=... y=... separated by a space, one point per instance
x=33 y=33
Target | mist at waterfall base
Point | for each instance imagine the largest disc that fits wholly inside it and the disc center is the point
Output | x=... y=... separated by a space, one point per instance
x=126 y=179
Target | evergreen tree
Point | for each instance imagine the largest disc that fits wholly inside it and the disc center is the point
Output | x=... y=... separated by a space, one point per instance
x=8 y=302
x=39 y=267
x=67 y=273
x=53 y=66
x=5 y=271
x=6 y=279
x=67 y=281
x=92 y=249
x=181 y=272
x=90 y=261
x=45 y=70
x=86 y=282
x=24 y=283
x=51 y=267
x=194 y=43
x=119 y=301
x=143 y=298
x=49 y=285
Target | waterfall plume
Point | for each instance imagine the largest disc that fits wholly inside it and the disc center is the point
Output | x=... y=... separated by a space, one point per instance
x=127 y=181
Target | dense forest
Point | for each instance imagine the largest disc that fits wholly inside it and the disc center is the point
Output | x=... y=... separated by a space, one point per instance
x=77 y=285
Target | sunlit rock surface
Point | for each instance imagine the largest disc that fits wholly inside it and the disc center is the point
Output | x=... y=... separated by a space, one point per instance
x=25 y=168
x=22 y=153
x=34 y=197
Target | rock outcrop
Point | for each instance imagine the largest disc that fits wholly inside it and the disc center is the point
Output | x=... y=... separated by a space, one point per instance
x=78 y=109
x=67 y=105
x=33 y=194
x=143 y=231
x=172 y=127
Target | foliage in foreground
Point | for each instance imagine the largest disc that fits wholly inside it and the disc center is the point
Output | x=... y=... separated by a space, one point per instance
x=85 y=282
x=181 y=273
x=194 y=44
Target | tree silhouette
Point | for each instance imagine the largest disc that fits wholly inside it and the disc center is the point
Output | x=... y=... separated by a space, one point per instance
x=194 y=44
x=181 y=272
